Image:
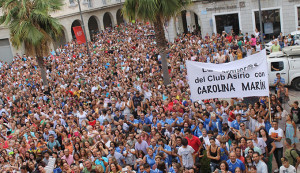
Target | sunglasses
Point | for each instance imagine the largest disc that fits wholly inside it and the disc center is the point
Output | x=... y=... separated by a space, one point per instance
x=242 y=125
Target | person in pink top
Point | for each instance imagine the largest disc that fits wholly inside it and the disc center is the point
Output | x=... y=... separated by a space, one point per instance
x=68 y=157
x=253 y=41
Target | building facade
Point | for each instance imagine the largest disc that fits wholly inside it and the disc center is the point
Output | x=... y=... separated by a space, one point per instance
x=215 y=16
x=205 y=16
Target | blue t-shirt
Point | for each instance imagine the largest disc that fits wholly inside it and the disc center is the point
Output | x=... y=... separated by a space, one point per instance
x=198 y=131
x=238 y=163
x=150 y=161
x=100 y=162
x=170 y=121
x=223 y=154
x=235 y=125
x=172 y=170
x=145 y=121
x=216 y=125
x=206 y=123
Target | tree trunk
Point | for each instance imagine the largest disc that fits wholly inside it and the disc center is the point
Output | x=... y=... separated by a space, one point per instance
x=41 y=64
x=162 y=45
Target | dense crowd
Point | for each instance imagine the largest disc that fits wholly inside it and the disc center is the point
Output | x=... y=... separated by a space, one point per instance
x=111 y=113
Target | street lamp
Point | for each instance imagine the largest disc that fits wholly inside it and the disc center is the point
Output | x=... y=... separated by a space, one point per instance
x=260 y=24
x=82 y=25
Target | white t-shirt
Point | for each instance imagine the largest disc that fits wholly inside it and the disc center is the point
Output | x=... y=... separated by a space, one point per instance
x=81 y=116
x=206 y=140
x=277 y=133
x=260 y=144
x=290 y=169
x=187 y=156
x=258 y=124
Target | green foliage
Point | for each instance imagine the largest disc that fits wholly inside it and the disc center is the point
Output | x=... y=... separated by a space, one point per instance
x=205 y=163
x=147 y=10
x=30 y=23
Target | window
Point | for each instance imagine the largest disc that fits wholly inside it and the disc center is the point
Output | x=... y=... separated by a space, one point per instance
x=270 y=23
x=227 y=23
x=298 y=10
x=277 y=66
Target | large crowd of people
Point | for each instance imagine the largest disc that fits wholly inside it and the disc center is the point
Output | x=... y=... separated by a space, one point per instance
x=110 y=112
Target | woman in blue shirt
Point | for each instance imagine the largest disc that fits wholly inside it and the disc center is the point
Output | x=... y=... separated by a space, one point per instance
x=150 y=157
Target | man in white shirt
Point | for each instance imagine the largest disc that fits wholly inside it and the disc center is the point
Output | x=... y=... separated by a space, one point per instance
x=185 y=153
x=205 y=137
x=260 y=165
x=286 y=167
x=276 y=133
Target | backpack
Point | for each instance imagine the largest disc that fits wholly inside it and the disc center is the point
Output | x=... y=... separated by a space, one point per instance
x=295 y=159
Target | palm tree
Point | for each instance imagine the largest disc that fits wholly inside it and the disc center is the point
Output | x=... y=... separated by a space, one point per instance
x=155 y=11
x=31 y=25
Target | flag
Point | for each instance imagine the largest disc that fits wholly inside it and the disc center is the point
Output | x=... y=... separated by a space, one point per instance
x=79 y=34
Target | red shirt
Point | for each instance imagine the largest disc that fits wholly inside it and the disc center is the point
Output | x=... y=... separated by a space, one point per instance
x=229 y=38
x=194 y=143
x=232 y=116
x=242 y=159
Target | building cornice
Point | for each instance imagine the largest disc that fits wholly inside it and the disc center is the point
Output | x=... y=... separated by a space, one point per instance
x=90 y=10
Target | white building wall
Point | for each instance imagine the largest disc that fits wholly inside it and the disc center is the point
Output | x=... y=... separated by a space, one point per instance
x=205 y=12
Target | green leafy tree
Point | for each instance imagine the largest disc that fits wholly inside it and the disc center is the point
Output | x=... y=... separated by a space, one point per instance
x=31 y=25
x=156 y=12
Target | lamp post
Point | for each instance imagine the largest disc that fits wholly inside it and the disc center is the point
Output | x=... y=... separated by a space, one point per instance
x=83 y=28
x=260 y=24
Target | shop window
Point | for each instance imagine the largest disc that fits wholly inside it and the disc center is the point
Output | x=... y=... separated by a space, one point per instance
x=227 y=23
x=270 y=23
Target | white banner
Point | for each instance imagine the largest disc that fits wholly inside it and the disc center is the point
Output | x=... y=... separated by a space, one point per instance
x=241 y=78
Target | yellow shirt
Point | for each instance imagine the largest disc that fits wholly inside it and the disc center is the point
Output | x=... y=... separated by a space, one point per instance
x=239 y=56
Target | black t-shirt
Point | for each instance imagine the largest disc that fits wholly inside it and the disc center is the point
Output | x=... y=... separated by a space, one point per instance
x=269 y=143
x=296 y=115
x=231 y=135
x=137 y=101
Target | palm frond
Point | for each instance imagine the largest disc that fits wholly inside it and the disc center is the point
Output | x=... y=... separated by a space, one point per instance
x=129 y=9
x=30 y=23
x=169 y=8
x=147 y=10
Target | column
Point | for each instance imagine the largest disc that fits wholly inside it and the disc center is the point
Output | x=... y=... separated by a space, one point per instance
x=171 y=32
